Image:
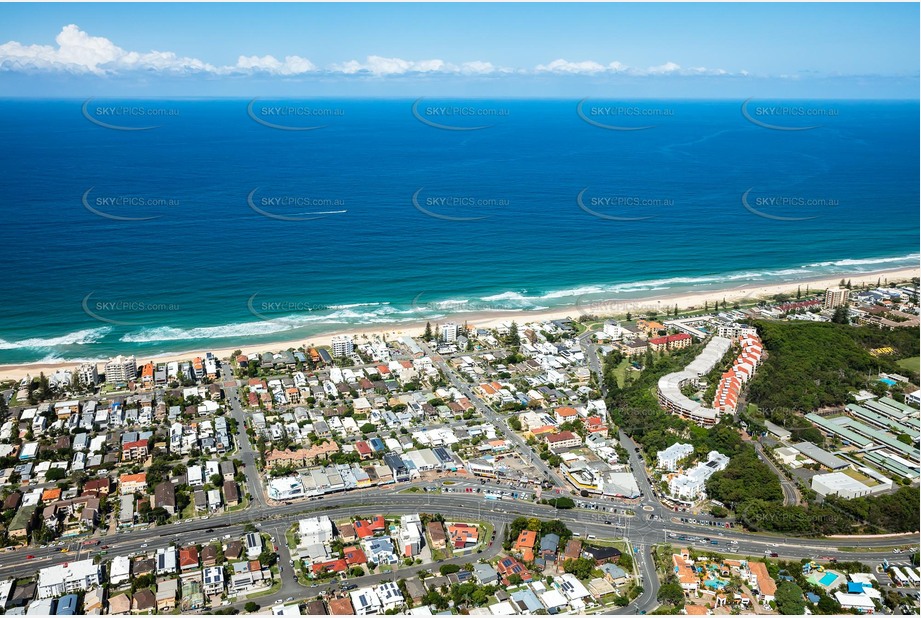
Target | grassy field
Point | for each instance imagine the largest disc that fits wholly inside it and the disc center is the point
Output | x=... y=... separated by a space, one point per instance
x=621 y=372
x=912 y=364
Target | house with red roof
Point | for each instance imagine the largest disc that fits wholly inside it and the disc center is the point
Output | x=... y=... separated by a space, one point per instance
x=354 y=555
x=134 y=450
x=188 y=558
x=463 y=535
x=329 y=566
x=364 y=450
x=594 y=424
x=365 y=529
x=508 y=566
x=565 y=415
x=564 y=439
x=524 y=544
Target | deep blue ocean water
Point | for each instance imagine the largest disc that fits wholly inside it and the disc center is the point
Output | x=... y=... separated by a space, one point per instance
x=496 y=222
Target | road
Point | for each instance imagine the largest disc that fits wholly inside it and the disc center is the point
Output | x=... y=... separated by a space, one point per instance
x=641 y=532
x=247 y=453
x=791 y=495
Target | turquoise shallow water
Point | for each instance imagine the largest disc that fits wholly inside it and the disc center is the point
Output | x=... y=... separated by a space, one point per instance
x=214 y=227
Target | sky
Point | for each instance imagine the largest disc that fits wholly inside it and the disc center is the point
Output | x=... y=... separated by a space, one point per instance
x=822 y=50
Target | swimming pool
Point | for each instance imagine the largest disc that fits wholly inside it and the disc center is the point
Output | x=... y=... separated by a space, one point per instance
x=716 y=584
x=888 y=381
x=828 y=579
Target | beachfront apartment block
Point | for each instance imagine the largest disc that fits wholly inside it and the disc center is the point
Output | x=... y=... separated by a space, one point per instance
x=613 y=330
x=836 y=297
x=449 y=332
x=121 y=369
x=88 y=374
x=342 y=345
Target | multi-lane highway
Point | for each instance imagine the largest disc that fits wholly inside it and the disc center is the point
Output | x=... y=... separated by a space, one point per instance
x=640 y=531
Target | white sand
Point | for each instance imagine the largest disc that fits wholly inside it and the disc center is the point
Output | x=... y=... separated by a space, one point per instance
x=492 y=319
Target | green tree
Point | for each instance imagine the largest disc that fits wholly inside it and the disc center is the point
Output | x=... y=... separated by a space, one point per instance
x=580 y=567
x=671 y=593
x=789 y=598
x=251 y=606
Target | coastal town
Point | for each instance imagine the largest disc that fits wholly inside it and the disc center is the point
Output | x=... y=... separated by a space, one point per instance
x=591 y=464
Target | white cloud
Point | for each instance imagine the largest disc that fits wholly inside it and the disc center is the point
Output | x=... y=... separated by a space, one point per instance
x=668 y=67
x=591 y=67
x=78 y=52
x=564 y=66
x=292 y=65
x=379 y=65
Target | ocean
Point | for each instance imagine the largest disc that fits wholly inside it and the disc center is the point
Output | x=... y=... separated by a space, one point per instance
x=156 y=226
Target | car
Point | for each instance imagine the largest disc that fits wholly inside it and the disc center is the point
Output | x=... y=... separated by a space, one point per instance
x=30 y=557
x=289 y=599
x=774 y=554
x=144 y=545
x=104 y=547
x=210 y=530
x=278 y=601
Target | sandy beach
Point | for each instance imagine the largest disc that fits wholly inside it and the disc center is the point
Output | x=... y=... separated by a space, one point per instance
x=595 y=307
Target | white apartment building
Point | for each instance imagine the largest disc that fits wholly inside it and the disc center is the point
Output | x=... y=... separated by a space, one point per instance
x=449 y=332
x=121 y=369
x=67 y=577
x=342 y=345
x=690 y=486
x=613 y=330
x=315 y=530
x=88 y=374
x=410 y=536
x=669 y=458
x=734 y=331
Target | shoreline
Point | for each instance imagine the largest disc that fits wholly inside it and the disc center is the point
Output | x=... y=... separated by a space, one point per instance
x=490 y=319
